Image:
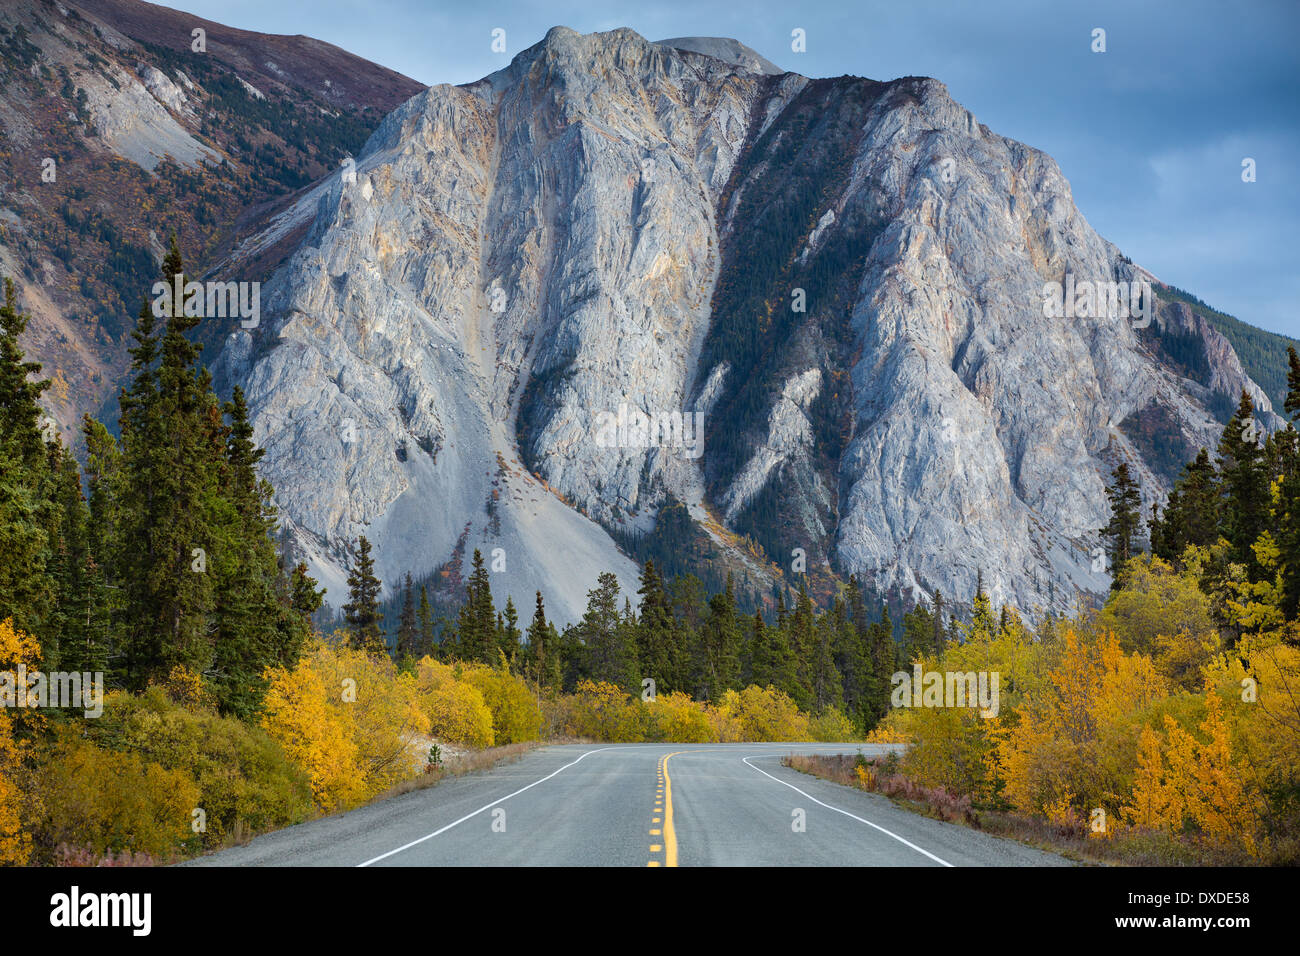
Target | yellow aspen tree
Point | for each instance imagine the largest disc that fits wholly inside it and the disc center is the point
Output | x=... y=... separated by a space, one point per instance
x=17 y=648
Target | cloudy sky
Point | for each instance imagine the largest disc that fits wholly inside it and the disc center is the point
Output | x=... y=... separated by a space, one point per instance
x=1151 y=133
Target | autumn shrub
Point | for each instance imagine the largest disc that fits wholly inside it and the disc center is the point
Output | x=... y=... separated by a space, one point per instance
x=831 y=726
x=676 y=717
x=109 y=802
x=348 y=719
x=246 y=781
x=760 y=713
x=516 y=716
x=604 y=711
x=18 y=726
x=456 y=709
x=296 y=712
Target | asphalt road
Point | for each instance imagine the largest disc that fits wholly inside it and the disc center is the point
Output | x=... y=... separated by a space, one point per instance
x=636 y=805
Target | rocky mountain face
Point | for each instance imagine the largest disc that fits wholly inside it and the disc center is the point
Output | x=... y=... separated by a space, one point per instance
x=503 y=325
x=115 y=130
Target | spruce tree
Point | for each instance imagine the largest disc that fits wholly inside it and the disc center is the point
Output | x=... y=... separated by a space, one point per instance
x=716 y=661
x=802 y=638
x=882 y=659
x=543 y=649
x=1125 y=519
x=361 y=613
x=172 y=460
x=103 y=542
x=424 y=614
x=1288 y=506
x=1192 y=512
x=657 y=635
x=408 y=634
x=609 y=648
x=938 y=638
x=773 y=661
x=1244 y=484
x=28 y=516
x=476 y=633
x=510 y=633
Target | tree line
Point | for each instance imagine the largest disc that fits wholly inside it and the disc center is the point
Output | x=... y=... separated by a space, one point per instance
x=162 y=553
x=1234 y=516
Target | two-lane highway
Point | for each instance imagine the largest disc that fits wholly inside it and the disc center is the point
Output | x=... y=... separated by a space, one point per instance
x=636 y=805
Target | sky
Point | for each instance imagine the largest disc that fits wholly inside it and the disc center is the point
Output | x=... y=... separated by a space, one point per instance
x=1151 y=133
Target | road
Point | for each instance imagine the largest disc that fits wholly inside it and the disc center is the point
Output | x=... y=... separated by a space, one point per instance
x=636 y=805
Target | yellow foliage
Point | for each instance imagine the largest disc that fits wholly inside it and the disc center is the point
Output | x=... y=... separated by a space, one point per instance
x=17 y=648
x=1074 y=736
x=185 y=687
x=296 y=713
x=516 y=716
x=678 y=718
x=456 y=710
x=831 y=726
x=759 y=713
x=1194 y=782
x=603 y=711
x=1155 y=600
x=110 y=801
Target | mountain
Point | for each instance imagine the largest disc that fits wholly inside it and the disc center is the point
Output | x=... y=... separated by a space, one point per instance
x=840 y=281
x=612 y=224
x=114 y=131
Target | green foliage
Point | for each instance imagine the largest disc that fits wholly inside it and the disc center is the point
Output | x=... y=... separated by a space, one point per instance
x=245 y=782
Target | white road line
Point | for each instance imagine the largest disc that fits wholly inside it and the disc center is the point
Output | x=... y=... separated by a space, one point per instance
x=888 y=833
x=488 y=806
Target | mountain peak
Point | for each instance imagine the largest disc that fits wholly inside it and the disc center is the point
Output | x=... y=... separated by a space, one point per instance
x=725 y=49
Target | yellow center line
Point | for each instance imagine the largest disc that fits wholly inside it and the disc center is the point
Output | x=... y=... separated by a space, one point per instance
x=670 y=834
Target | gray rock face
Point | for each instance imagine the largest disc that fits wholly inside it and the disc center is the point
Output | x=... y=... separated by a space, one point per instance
x=516 y=271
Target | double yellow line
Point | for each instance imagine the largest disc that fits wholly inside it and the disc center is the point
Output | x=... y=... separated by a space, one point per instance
x=664 y=799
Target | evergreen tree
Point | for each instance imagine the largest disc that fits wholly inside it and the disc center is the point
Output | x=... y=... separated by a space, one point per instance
x=610 y=650
x=939 y=639
x=103 y=538
x=773 y=661
x=851 y=659
x=20 y=410
x=476 y=631
x=172 y=464
x=543 y=648
x=408 y=634
x=716 y=659
x=802 y=639
x=510 y=633
x=882 y=659
x=1244 y=484
x=28 y=518
x=1125 y=519
x=1191 y=513
x=424 y=615
x=254 y=624
x=657 y=633
x=1288 y=495
x=825 y=680
x=362 y=613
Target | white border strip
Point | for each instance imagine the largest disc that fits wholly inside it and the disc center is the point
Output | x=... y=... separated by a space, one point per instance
x=747 y=763
x=488 y=806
